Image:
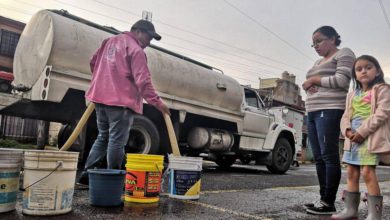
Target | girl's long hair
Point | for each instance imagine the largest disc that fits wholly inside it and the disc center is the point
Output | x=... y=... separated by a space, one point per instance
x=380 y=78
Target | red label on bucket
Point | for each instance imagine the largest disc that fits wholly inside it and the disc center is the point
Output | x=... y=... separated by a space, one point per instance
x=141 y=184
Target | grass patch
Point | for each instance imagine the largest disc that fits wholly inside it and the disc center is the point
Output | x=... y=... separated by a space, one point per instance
x=6 y=143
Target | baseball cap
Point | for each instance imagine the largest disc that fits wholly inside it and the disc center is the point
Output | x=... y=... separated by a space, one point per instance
x=148 y=27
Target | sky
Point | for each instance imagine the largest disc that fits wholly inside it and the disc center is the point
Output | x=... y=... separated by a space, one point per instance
x=246 y=39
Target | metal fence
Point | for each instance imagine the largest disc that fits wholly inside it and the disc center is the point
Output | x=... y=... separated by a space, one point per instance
x=23 y=130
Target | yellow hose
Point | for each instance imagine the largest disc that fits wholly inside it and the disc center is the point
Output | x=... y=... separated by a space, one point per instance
x=172 y=135
x=88 y=112
x=79 y=127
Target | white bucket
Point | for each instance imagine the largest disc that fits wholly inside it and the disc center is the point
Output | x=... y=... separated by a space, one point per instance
x=184 y=177
x=49 y=180
x=10 y=165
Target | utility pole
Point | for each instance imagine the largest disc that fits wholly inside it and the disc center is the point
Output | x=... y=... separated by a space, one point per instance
x=147 y=15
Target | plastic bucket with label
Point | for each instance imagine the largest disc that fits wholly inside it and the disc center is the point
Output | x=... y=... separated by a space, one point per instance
x=143 y=178
x=10 y=165
x=48 y=183
x=184 y=177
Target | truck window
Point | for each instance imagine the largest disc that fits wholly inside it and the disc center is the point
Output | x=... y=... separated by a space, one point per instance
x=251 y=98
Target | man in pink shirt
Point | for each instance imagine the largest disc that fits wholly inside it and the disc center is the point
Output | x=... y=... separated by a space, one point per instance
x=120 y=81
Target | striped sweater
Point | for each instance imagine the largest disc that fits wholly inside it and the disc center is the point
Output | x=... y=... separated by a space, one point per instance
x=336 y=75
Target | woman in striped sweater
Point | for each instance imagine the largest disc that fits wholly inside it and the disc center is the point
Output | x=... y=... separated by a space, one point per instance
x=326 y=86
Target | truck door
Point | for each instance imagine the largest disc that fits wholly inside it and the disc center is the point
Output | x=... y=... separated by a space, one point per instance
x=256 y=119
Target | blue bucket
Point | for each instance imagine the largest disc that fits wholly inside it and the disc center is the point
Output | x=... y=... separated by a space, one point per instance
x=106 y=187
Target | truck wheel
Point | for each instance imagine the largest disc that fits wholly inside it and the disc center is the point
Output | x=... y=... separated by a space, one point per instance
x=144 y=137
x=225 y=161
x=63 y=134
x=281 y=157
x=245 y=159
x=5 y=87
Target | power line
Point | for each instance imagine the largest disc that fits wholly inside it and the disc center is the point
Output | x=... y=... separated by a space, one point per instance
x=232 y=61
x=109 y=17
x=120 y=20
x=228 y=61
x=268 y=30
x=215 y=49
x=384 y=13
x=106 y=16
x=27 y=3
x=232 y=66
x=16 y=9
x=256 y=72
x=207 y=38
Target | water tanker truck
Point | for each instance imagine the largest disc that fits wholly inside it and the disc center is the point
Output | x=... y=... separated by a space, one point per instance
x=212 y=114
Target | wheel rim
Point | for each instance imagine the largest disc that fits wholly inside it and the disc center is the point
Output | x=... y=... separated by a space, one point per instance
x=282 y=156
x=139 y=141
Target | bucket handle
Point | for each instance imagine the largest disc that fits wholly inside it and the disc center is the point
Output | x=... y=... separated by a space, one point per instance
x=156 y=164
x=59 y=164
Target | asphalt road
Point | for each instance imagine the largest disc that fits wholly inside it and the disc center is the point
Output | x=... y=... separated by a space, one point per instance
x=242 y=192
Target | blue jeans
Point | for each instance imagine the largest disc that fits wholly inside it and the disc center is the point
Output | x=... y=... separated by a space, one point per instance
x=114 y=125
x=323 y=132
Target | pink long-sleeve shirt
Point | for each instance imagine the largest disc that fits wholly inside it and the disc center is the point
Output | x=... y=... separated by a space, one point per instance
x=120 y=75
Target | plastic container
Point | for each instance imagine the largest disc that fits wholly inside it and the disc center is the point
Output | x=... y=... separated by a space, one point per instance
x=106 y=187
x=10 y=165
x=49 y=180
x=184 y=177
x=143 y=178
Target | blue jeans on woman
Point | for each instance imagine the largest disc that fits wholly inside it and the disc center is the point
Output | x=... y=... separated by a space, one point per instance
x=114 y=125
x=323 y=131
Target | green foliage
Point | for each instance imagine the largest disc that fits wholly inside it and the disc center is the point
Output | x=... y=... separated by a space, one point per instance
x=6 y=143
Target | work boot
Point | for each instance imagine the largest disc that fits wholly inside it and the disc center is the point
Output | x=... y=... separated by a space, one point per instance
x=375 y=205
x=350 y=212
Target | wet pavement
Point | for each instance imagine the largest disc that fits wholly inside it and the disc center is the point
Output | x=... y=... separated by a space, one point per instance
x=242 y=192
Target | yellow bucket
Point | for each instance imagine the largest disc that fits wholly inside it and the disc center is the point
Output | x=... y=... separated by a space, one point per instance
x=143 y=178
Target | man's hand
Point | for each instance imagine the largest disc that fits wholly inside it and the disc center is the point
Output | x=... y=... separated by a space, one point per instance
x=357 y=138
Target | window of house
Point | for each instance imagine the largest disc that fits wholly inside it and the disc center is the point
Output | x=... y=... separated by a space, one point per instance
x=8 y=42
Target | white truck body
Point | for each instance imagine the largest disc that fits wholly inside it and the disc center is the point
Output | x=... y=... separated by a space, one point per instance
x=211 y=112
x=293 y=118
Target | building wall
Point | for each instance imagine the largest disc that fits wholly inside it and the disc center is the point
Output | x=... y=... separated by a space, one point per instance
x=6 y=62
x=283 y=89
x=268 y=83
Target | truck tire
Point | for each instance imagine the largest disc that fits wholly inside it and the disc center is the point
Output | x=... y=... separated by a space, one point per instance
x=63 y=134
x=245 y=159
x=225 y=161
x=144 y=137
x=281 y=157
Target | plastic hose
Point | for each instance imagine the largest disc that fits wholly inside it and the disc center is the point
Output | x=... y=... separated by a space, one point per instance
x=79 y=127
x=172 y=136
